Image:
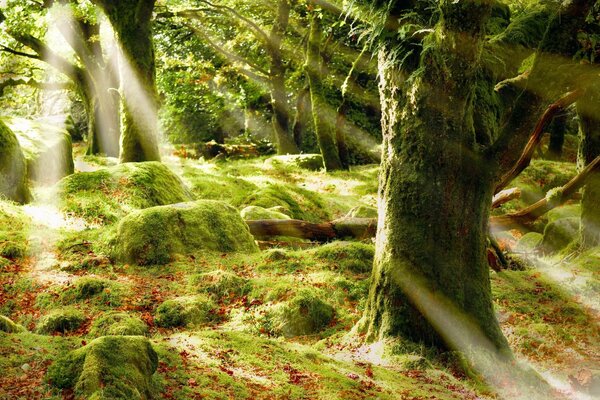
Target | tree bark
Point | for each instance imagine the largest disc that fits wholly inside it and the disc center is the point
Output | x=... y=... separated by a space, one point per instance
x=131 y=20
x=435 y=189
x=557 y=130
x=324 y=127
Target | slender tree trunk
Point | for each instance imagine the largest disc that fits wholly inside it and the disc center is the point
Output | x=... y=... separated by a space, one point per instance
x=435 y=192
x=301 y=120
x=131 y=20
x=557 y=130
x=589 y=126
x=324 y=127
x=281 y=113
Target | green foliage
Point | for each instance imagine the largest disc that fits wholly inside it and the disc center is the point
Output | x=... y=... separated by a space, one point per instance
x=185 y=311
x=62 y=320
x=155 y=235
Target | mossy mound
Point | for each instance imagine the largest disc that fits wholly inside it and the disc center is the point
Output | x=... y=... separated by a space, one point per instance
x=362 y=212
x=252 y=213
x=304 y=314
x=297 y=203
x=8 y=326
x=558 y=234
x=221 y=284
x=529 y=242
x=568 y=211
x=155 y=235
x=348 y=256
x=47 y=149
x=109 y=367
x=13 y=168
x=61 y=321
x=106 y=195
x=86 y=288
x=185 y=311
x=117 y=324
x=215 y=187
x=312 y=162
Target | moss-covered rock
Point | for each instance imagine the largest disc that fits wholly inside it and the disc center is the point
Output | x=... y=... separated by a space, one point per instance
x=14 y=225
x=348 y=256
x=118 y=323
x=106 y=195
x=205 y=186
x=222 y=284
x=61 y=321
x=251 y=213
x=107 y=292
x=313 y=162
x=47 y=149
x=185 y=311
x=529 y=242
x=13 y=168
x=558 y=234
x=155 y=235
x=109 y=367
x=567 y=211
x=8 y=326
x=298 y=203
x=304 y=314
x=362 y=212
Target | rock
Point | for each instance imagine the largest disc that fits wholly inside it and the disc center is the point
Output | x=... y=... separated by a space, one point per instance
x=109 y=367
x=304 y=314
x=25 y=367
x=60 y=321
x=254 y=213
x=298 y=203
x=558 y=234
x=155 y=235
x=348 y=256
x=13 y=168
x=47 y=149
x=362 y=212
x=8 y=326
x=106 y=195
x=313 y=162
x=567 y=211
x=118 y=323
x=529 y=242
x=185 y=311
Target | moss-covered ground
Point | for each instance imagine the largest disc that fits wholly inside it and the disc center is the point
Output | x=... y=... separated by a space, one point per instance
x=273 y=324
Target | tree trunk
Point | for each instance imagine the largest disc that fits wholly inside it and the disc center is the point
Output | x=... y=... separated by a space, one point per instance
x=131 y=20
x=281 y=113
x=301 y=121
x=557 y=130
x=589 y=126
x=324 y=127
x=435 y=192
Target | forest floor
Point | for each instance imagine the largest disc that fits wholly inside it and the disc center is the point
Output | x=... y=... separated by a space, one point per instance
x=549 y=311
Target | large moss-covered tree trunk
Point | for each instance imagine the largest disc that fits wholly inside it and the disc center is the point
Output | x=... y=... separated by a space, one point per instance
x=435 y=190
x=324 y=126
x=589 y=126
x=131 y=20
x=13 y=169
x=279 y=101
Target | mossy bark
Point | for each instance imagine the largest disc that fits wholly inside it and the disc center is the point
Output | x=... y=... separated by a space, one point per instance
x=435 y=191
x=557 y=130
x=589 y=126
x=324 y=127
x=132 y=20
x=279 y=102
x=13 y=168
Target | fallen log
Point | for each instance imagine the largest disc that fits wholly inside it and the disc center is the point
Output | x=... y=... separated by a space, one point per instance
x=358 y=228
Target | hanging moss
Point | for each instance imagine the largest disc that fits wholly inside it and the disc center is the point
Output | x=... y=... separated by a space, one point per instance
x=155 y=235
x=110 y=367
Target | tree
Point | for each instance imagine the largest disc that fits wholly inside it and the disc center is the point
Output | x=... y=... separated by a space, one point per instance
x=440 y=165
x=132 y=23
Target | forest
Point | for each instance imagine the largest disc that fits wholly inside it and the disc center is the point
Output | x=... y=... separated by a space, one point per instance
x=299 y=199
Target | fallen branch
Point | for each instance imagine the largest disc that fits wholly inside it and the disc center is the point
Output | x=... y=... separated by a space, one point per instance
x=505 y=196
x=525 y=217
x=536 y=137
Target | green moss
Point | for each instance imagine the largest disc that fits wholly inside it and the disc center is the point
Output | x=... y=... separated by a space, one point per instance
x=298 y=203
x=155 y=235
x=14 y=226
x=304 y=314
x=312 y=162
x=221 y=284
x=362 y=212
x=254 y=212
x=566 y=211
x=61 y=321
x=118 y=323
x=185 y=311
x=47 y=149
x=114 y=367
x=217 y=187
x=13 y=169
x=6 y=325
x=348 y=256
x=104 y=291
x=558 y=234
x=529 y=242
x=106 y=195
